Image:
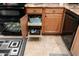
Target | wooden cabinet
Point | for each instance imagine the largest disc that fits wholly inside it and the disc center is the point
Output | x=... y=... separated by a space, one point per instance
x=52 y=23
x=75 y=45
x=52 y=20
x=24 y=26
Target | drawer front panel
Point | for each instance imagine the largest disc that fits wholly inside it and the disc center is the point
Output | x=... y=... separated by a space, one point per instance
x=54 y=10
x=53 y=16
x=34 y=10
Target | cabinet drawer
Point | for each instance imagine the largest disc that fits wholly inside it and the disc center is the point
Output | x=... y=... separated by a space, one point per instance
x=53 y=16
x=34 y=10
x=54 y=10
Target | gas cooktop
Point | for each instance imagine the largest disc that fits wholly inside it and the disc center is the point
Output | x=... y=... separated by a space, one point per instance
x=12 y=46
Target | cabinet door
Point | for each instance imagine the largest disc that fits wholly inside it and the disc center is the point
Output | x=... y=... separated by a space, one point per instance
x=24 y=26
x=52 y=23
x=75 y=45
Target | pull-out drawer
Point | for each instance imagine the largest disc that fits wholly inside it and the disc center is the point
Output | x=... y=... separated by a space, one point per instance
x=34 y=10
x=52 y=10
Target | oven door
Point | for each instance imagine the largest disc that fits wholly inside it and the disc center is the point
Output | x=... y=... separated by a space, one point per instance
x=10 y=28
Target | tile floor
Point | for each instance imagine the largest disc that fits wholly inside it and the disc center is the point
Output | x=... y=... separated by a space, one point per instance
x=46 y=46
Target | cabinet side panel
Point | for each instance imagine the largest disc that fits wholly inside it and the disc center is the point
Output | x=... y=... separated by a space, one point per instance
x=24 y=26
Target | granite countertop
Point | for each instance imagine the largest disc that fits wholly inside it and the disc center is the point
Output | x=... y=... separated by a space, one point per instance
x=75 y=10
x=42 y=5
